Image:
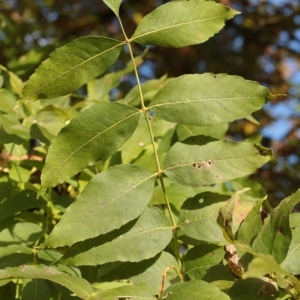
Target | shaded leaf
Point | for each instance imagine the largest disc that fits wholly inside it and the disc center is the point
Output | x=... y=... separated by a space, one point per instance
x=15 y=255
x=225 y=217
x=191 y=100
x=101 y=207
x=149 y=90
x=266 y=264
x=71 y=66
x=275 y=236
x=98 y=89
x=93 y=134
x=206 y=262
x=217 y=131
x=182 y=23
x=124 y=292
x=253 y=288
x=203 y=160
x=24 y=200
x=21 y=233
x=197 y=217
x=151 y=232
x=36 y=289
x=251 y=225
x=193 y=290
x=78 y=286
x=149 y=272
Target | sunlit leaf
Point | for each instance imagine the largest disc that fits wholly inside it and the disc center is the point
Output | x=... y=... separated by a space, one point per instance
x=92 y=135
x=101 y=207
x=78 y=286
x=203 y=160
x=207 y=99
x=193 y=290
x=140 y=239
x=124 y=292
x=198 y=217
x=71 y=66
x=182 y=23
x=114 y=5
x=275 y=236
x=291 y=262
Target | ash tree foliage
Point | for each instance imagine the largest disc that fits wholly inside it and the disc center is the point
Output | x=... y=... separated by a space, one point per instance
x=143 y=197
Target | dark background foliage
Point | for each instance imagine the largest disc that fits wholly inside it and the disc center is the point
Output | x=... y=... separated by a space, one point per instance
x=261 y=44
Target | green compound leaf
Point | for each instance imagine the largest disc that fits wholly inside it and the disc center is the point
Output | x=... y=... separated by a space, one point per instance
x=100 y=208
x=114 y=5
x=203 y=160
x=79 y=286
x=93 y=134
x=138 y=240
x=182 y=23
x=133 y=292
x=71 y=66
x=208 y=99
x=193 y=290
x=198 y=217
x=275 y=236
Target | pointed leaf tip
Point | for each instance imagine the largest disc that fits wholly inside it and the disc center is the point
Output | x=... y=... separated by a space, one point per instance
x=182 y=23
x=114 y=5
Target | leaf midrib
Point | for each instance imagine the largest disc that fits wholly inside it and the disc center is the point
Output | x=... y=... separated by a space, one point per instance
x=174 y=26
x=89 y=141
x=212 y=160
x=71 y=69
x=204 y=100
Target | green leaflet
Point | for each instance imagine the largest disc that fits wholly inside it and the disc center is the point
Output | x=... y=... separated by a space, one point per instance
x=275 y=236
x=197 y=217
x=148 y=272
x=114 y=5
x=71 y=66
x=78 y=286
x=225 y=217
x=182 y=23
x=290 y=263
x=93 y=134
x=36 y=289
x=206 y=262
x=191 y=100
x=193 y=290
x=140 y=239
x=100 y=207
x=202 y=160
x=124 y=292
